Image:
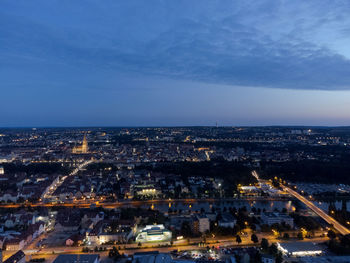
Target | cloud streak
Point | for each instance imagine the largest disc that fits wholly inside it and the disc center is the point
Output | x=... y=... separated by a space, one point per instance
x=268 y=44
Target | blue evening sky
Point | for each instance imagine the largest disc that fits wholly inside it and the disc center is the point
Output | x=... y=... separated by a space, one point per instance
x=174 y=62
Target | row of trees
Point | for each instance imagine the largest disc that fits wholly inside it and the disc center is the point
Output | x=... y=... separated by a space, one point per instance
x=308 y=171
x=230 y=172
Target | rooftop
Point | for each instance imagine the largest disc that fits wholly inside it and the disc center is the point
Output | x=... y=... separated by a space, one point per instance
x=77 y=258
x=294 y=247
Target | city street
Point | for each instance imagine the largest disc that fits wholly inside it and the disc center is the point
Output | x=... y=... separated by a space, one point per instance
x=182 y=245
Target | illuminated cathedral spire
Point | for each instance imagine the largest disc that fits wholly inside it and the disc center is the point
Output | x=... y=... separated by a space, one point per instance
x=84 y=148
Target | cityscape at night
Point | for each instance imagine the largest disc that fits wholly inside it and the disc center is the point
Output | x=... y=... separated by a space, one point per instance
x=187 y=131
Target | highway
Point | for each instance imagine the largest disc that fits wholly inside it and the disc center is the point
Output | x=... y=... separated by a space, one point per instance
x=330 y=220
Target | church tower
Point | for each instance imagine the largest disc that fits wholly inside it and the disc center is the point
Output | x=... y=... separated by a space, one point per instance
x=84 y=147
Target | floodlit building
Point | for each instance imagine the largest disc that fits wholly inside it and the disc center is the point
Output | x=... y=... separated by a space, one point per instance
x=148 y=191
x=299 y=249
x=152 y=233
x=249 y=190
x=84 y=148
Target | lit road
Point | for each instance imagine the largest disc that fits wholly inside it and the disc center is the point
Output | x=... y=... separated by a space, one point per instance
x=54 y=186
x=49 y=252
x=330 y=220
x=122 y=203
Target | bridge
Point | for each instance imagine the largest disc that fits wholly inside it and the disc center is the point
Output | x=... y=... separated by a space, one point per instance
x=330 y=220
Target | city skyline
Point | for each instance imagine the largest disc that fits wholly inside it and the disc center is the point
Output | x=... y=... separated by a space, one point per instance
x=180 y=190
x=237 y=63
x=187 y=131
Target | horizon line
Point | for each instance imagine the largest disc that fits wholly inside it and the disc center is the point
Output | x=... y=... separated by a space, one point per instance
x=176 y=126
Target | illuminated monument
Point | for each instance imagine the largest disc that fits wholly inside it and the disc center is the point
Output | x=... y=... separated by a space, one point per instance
x=83 y=148
x=152 y=233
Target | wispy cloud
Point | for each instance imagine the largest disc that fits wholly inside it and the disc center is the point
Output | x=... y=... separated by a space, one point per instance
x=272 y=44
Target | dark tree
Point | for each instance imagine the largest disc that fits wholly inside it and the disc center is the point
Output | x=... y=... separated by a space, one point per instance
x=300 y=236
x=331 y=234
x=264 y=244
x=238 y=239
x=286 y=236
x=273 y=249
x=254 y=238
x=279 y=258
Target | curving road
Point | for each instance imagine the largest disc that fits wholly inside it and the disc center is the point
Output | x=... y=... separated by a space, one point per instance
x=330 y=220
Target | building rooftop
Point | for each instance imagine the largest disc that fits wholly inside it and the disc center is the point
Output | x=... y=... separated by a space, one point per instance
x=326 y=259
x=296 y=247
x=275 y=214
x=77 y=258
x=141 y=254
x=153 y=258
